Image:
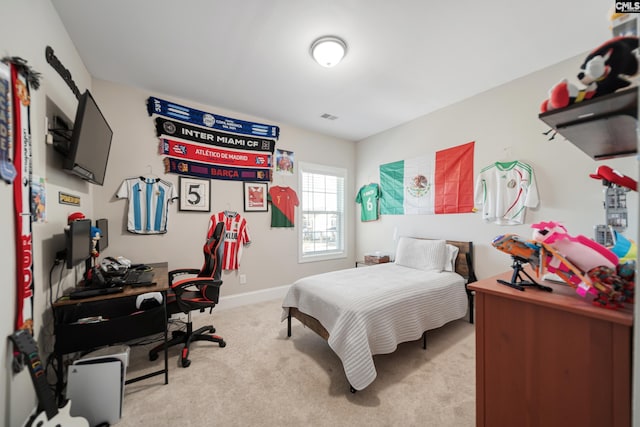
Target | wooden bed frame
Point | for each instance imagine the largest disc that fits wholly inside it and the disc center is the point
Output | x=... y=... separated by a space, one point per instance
x=464 y=267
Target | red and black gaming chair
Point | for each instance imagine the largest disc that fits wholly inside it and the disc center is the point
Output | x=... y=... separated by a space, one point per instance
x=195 y=293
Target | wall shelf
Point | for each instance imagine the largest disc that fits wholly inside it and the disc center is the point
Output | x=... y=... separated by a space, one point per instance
x=604 y=127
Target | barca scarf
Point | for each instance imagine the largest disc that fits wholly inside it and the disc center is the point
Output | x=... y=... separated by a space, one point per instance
x=185 y=150
x=203 y=170
x=210 y=120
x=180 y=130
x=21 y=77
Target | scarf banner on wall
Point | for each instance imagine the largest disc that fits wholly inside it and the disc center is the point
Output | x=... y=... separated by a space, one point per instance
x=203 y=170
x=210 y=120
x=435 y=185
x=210 y=137
x=217 y=156
x=7 y=169
x=21 y=77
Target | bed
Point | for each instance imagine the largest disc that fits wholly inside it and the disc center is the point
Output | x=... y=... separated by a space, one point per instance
x=361 y=312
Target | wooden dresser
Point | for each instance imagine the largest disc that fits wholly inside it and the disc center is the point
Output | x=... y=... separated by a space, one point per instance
x=550 y=359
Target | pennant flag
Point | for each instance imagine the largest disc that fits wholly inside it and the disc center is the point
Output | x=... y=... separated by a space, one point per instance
x=210 y=120
x=438 y=185
x=176 y=129
x=185 y=150
x=203 y=170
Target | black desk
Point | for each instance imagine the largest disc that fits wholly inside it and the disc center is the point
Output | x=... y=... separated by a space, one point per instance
x=124 y=322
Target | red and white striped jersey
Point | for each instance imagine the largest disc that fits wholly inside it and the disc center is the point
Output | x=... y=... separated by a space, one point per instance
x=235 y=238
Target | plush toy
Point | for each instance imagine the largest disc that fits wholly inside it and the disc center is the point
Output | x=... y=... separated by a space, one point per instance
x=610 y=64
x=564 y=94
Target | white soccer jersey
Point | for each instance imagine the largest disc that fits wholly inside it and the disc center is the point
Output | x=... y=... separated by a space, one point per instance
x=149 y=200
x=505 y=190
x=235 y=238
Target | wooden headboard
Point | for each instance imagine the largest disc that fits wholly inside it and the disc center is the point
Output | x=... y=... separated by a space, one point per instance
x=464 y=261
x=464 y=267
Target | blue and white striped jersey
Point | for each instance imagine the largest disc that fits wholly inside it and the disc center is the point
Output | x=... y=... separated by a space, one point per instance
x=149 y=200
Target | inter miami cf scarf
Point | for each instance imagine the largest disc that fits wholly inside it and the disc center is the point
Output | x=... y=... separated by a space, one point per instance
x=21 y=77
x=210 y=120
x=200 y=153
x=175 y=129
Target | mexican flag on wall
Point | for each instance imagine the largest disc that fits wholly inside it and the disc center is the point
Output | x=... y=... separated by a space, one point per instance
x=438 y=184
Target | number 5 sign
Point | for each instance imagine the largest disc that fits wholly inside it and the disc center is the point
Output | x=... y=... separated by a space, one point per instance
x=195 y=194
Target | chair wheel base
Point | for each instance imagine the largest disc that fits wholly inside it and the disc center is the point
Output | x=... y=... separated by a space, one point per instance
x=223 y=344
x=186 y=363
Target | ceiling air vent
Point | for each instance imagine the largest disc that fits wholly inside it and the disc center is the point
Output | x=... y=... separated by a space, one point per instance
x=329 y=116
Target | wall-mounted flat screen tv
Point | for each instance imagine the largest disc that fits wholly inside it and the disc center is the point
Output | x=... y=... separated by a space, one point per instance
x=88 y=151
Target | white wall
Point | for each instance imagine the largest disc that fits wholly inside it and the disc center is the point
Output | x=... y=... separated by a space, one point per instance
x=505 y=126
x=28 y=27
x=270 y=261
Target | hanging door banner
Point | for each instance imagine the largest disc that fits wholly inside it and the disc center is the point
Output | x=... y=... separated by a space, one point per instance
x=210 y=120
x=216 y=156
x=210 y=137
x=7 y=169
x=202 y=170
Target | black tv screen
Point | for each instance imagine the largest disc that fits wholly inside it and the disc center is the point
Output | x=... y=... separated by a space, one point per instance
x=78 y=242
x=90 y=142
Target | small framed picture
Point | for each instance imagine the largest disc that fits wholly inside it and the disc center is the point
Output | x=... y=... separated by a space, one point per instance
x=195 y=194
x=255 y=196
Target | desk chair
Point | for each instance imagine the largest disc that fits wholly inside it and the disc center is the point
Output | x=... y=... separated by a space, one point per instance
x=195 y=293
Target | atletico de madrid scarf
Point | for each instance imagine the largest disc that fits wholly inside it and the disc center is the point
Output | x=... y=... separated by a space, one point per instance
x=205 y=154
x=21 y=76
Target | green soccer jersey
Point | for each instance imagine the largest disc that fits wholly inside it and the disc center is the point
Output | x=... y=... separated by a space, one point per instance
x=368 y=197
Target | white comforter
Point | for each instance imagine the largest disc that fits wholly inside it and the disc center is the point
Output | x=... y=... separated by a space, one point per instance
x=371 y=310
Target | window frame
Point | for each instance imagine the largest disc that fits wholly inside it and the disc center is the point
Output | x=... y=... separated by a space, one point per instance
x=340 y=253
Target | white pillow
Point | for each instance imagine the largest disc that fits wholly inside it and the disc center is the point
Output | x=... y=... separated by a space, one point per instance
x=452 y=255
x=427 y=255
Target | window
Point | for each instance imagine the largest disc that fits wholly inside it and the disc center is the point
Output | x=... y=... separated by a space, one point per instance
x=322 y=231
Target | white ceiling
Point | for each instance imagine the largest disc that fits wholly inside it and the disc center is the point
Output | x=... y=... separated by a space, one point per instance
x=405 y=58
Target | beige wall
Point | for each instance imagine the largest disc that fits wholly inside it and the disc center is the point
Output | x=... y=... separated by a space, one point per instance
x=505 y=126
x=270 y=260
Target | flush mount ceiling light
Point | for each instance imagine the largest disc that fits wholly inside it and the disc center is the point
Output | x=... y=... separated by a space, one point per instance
x=328 y=51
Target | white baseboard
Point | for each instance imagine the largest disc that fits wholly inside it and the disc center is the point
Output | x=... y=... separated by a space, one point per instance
x=253 y=297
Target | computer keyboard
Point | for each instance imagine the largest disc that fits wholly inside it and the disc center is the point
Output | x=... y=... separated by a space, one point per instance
x=138 y=278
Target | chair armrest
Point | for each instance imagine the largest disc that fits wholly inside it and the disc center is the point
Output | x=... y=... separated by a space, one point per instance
x=208 y=287
x=182 y=272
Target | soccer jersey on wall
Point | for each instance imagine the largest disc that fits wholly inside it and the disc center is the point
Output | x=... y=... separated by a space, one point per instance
x=149 y=200
x=283 y=202
x=505 y=190
x=368 y=196
x=235 y=238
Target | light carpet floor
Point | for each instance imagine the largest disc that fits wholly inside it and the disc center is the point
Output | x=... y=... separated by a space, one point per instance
x=263 y=378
